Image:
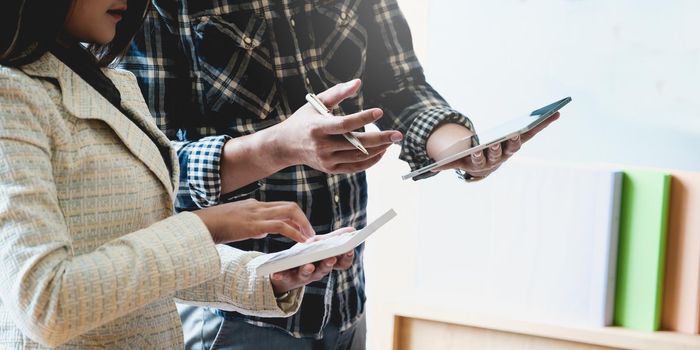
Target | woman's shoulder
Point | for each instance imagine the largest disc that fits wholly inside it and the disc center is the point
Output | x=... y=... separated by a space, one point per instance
x=25 y=104
x=12 y=76
x=19 y=87
x=20 y=91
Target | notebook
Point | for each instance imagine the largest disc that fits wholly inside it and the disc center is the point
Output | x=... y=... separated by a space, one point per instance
x=640 y=271
x=681 y=294
x=535 y=241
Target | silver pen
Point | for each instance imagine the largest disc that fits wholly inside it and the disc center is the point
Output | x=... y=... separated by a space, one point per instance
x=318 y=105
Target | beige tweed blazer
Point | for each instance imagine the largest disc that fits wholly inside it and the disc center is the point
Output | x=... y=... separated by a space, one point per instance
x=91 y=255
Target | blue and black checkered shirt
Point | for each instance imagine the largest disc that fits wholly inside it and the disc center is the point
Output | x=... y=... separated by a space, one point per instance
x=211 y=70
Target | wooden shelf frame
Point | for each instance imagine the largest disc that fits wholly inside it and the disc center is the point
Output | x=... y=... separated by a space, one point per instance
x=613 y=337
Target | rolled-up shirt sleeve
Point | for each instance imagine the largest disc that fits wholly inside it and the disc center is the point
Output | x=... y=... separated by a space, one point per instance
x=394 y=81
x=200 y=163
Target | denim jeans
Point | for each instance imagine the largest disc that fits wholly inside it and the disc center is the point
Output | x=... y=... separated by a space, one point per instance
x=206 y=330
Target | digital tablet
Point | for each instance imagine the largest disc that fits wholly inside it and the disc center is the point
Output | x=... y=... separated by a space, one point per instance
x=493 y=136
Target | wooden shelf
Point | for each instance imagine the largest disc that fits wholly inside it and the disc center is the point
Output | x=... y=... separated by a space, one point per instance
x=609 y=337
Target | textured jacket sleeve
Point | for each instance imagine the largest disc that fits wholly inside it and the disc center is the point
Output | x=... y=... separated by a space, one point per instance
x=394 y=81
x=239 y=289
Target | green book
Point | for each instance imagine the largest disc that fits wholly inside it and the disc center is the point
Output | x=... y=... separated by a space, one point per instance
x=642 y=248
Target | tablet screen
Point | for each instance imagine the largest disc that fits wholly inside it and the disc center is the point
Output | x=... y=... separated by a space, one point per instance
x=520 y=125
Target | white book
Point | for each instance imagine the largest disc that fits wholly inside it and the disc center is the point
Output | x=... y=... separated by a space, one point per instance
x=534 y=241
x=304 y=253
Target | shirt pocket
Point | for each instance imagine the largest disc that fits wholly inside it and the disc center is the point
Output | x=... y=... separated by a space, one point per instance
x=341 y=40
x=235 y=66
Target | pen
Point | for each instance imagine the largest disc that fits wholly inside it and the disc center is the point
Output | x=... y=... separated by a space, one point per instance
x=318 y=105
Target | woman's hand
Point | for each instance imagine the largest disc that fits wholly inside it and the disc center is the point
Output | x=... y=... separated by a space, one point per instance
x=248 y=219
x=285 y=281
x=310 y=138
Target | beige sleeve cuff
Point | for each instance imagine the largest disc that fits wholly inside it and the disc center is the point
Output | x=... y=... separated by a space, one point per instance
x=238 y=288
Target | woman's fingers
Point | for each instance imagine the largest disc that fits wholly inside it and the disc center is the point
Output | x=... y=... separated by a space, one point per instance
x=337 y=232
x=251 y=219
x=290 y=279
x=288 y=211
x=283 y=228
x=312 y=272
x=294 y=278
x=345 y=261
x=323 y=268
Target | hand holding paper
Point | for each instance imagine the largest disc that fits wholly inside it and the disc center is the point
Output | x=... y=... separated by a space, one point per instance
x=338 y=243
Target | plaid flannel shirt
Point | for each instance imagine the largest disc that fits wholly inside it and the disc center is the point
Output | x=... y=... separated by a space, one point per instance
x=212 y=70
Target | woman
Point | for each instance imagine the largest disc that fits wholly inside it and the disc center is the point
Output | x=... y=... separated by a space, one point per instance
x=90 y=253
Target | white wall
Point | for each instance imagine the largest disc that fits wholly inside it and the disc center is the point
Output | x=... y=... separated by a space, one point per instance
x=389 y=255
x=631 y=66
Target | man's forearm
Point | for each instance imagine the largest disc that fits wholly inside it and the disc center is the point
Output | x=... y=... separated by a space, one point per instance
x=444 y=136
x=249 y=158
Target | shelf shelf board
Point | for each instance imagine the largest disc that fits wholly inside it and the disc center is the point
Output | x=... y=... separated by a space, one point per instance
x=614 y=337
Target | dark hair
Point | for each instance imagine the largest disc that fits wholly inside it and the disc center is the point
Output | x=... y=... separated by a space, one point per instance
x=28 y=28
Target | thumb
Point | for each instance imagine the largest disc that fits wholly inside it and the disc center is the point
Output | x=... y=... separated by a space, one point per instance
x=333 y=96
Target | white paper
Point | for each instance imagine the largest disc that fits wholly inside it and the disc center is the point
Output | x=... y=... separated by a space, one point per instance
x=304 y=253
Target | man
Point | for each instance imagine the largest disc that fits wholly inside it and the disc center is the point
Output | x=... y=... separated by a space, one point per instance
x=226 y=80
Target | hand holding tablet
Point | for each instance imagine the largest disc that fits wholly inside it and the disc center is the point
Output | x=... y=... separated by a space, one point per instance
x=495 y=136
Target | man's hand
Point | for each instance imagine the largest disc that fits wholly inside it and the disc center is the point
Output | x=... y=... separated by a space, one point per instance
x=482 y=163
x=310 y=138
